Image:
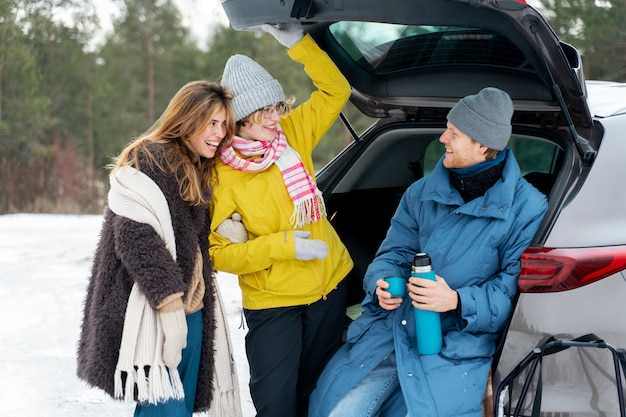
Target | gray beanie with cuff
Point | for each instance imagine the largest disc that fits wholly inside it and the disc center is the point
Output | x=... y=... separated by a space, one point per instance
x=251 y=85
x=485 y=117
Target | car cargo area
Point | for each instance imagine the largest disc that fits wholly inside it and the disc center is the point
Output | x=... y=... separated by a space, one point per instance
x=362 y=203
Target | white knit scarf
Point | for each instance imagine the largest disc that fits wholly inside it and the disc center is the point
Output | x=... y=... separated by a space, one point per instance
x=134 y=195
x=307 y=198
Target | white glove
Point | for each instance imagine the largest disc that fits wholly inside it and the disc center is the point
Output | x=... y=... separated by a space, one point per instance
x=175 y=331
x=233 y=229
x=306 y=249
x=288 y=34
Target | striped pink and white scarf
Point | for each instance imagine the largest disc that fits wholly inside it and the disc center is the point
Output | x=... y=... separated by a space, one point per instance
x=307 y=198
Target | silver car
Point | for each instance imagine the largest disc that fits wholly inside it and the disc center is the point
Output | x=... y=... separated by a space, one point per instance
x=409 y=62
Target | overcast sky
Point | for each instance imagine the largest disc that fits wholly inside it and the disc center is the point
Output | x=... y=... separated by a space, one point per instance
x=199 y=15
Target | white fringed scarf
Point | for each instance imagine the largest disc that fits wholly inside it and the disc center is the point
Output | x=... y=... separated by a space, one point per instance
x=134 y=195
x=307 y=198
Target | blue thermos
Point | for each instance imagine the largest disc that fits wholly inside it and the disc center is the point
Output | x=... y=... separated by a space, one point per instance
x=427 y=323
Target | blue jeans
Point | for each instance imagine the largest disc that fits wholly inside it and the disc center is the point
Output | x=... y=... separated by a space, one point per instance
x=375 y=394
x=188 y=369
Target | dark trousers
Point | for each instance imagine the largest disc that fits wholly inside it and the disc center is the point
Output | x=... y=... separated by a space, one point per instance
x=287 y=349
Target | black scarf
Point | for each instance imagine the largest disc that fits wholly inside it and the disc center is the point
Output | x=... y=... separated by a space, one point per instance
x=476 y=185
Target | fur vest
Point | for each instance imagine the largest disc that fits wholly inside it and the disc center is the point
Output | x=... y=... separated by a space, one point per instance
x=129 y=252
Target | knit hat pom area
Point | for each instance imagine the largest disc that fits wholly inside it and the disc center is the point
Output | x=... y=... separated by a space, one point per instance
x=485 y=117
x=251 y=85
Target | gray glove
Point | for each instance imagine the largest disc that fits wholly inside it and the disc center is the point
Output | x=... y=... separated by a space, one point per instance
x=233 y=229
x=288 y=34
x=306 y=249
x=175 y=331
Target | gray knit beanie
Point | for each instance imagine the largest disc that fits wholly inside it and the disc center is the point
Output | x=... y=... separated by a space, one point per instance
x=485 y=117
x=251 y=85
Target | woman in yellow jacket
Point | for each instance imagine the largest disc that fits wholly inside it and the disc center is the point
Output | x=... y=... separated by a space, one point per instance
x=289 y=259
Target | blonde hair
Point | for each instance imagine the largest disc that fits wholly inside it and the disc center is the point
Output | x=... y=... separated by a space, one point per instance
x=188 y=113
x=257 y=116
x=491 y=154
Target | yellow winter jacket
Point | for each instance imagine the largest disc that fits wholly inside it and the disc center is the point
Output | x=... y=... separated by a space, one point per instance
x=269 y=274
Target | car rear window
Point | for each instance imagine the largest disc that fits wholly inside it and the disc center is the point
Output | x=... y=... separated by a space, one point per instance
x=382 y=48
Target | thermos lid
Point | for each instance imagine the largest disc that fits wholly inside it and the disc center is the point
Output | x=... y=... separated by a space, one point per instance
x=421 y=259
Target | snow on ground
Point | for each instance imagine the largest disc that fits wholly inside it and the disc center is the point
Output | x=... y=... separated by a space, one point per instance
x=44 y=266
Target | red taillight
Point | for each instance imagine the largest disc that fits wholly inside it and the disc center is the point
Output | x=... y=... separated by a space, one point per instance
x=514 y=1
x=553 y=270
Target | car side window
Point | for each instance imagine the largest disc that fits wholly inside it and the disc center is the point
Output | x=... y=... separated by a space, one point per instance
x=535 y=155
x=433 y=154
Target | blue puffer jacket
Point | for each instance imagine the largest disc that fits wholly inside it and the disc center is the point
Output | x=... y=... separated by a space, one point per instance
x=475 y=247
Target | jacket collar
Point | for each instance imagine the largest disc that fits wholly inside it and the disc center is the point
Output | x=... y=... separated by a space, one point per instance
x=496 y=202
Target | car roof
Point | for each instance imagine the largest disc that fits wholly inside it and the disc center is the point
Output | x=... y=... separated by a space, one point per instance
x=606 y=98
x=545 y=76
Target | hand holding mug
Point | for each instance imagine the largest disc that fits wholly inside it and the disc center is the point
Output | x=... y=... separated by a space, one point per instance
x=390 y=292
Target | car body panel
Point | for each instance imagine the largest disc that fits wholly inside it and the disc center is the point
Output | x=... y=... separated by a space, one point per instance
x=598 y=308
x=578 y=223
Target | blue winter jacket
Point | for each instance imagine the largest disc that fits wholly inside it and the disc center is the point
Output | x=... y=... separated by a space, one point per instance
x=476 y=247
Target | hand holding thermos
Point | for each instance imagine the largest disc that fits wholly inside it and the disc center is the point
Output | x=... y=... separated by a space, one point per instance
x=427 y=322
x=427 y=317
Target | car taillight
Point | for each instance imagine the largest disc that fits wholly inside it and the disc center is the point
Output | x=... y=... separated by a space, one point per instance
x=553 y=270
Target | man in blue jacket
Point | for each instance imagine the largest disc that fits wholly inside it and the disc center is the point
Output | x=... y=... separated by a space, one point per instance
x=474 y=215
